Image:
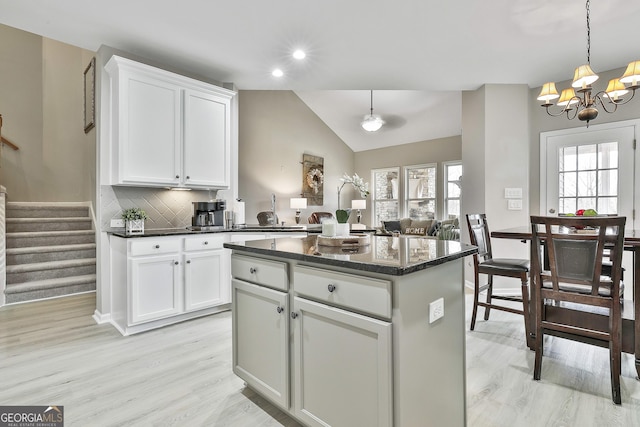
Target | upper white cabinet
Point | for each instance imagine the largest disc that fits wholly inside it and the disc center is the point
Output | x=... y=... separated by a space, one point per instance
x=167 y=129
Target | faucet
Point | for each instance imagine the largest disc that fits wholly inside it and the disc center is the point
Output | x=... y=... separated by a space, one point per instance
x=273 y=209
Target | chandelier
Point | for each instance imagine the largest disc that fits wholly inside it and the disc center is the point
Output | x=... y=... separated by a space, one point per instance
x=583 y=104
x=372 y=122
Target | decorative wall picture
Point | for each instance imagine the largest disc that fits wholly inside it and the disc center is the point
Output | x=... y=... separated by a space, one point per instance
x=313 y=179
x=89 y=96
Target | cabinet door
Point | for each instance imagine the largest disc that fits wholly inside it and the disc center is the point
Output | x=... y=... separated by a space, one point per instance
x=261 y=340
x=149 y=130
x=204 y=275
x=206 y=140
x=155 y=288
x=342 y=372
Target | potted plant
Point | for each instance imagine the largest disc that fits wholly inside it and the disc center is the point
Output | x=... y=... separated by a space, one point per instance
x=134 y=220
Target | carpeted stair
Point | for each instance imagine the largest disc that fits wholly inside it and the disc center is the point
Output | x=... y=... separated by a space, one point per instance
x=51 y=251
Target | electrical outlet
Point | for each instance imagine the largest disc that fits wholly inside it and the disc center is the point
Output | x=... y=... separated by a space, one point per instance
x=436 y=310
x=115 y=223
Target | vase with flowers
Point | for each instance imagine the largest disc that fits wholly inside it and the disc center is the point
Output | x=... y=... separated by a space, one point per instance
x=342 y=215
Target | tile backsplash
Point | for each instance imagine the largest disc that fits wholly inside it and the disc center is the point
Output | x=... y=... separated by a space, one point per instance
x=166 y=208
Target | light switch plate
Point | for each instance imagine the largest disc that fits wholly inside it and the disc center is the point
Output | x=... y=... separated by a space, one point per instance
x=513 y=193
x=514 y=204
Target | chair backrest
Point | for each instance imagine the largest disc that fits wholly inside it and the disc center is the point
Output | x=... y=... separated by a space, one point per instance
x=317 y=217
x=479 y=235
x=575 y=246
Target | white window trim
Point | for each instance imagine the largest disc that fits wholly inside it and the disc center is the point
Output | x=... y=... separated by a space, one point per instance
x=445 y=183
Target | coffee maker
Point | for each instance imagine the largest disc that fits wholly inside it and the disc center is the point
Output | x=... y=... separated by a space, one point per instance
x=208 y=215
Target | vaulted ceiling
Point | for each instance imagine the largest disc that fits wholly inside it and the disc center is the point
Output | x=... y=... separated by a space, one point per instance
x=416 y=54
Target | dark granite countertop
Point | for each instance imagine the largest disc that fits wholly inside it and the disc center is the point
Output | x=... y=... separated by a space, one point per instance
x=386 y=255
x=155 y=232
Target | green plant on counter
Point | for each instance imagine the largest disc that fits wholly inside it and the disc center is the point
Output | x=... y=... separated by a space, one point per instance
x=342 y=215
x=133 y=214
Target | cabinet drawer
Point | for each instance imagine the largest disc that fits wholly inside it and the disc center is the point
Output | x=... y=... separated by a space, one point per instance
x=151 y=246
x=207 y=241
x=358 y=293
x=261 y=271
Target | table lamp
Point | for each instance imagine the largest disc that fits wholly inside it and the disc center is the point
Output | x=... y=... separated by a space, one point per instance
x=298 y=203
x=359 y=204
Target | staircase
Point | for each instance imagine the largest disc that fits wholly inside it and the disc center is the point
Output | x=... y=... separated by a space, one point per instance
x=50 y=251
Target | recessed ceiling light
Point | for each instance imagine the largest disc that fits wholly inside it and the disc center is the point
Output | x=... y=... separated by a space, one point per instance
x=299 y=54
x=277 y=73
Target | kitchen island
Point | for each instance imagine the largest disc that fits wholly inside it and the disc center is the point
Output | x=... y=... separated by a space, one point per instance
x=370 y=335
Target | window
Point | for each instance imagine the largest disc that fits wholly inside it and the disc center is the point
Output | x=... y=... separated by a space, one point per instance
x=588 y=178
x=384 y=194
x=420 y=191
x=452 y=189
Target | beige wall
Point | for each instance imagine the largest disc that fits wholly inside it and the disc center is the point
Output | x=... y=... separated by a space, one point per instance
x=41 y=100
x=275 y=129
x=433 y=151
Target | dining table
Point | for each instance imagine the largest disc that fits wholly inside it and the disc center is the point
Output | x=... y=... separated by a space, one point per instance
x=630 y=328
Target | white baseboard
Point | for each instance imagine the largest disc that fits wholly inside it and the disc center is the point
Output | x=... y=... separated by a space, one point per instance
x=100 y=318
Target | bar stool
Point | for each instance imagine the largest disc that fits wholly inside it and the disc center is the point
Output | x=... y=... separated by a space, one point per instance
x=484 y=263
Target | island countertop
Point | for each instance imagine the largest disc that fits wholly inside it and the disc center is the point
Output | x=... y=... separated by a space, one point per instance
x=395 y=256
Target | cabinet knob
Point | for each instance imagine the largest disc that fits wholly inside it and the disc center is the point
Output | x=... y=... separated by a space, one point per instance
x=294 y=315
x=331 y=288
x=177 y=176
x=205 y=243
x=157 y=246
x=187 y=176
x=279 y=309
x=253 y=270
x=176 y=263
x=188 y=261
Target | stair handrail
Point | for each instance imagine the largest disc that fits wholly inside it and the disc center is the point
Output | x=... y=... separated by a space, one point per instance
x=4 y=140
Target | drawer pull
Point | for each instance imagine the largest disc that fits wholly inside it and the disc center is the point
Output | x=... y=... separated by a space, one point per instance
x=253 y=270
x=331 y=288
x=157 y=246
x=177 y=176
x=188 y=261
x=187 y=176
x=279 y=309
x=294 y=315
x=205 y=242
x=176 y=263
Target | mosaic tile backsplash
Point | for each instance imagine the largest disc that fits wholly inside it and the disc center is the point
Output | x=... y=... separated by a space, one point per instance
x=166 y=208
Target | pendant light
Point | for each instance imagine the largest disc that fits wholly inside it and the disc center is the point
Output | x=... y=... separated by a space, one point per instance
x=372 y=122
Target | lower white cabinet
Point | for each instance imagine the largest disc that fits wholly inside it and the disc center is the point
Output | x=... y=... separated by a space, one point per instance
x=340 y=370
x=156 y=290
x=261 y=339
x=157 y=281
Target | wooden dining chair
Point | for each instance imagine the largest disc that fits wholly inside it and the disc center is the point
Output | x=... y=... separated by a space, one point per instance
x=484 y=263
x=574 y=281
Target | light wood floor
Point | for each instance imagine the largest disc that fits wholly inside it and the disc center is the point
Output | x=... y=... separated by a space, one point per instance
x=52 y=352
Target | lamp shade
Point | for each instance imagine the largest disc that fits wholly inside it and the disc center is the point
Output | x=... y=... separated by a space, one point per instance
x=632 y=73
x=298 y=203
x=548 y=92
x=372 y=122
x=359 y=204
x=568 y=97
x=584 y=76
x=616 y=89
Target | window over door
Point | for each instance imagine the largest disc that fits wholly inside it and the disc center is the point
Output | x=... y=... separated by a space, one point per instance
x=385 y=194
x=589 y=169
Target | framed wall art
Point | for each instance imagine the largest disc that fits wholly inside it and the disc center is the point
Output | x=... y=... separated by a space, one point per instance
x=89 y=96
x=313 y=179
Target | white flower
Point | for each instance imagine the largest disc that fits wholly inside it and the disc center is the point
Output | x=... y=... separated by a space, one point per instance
x=357 y=182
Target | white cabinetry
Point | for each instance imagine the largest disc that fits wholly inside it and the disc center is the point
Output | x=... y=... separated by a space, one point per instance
x=167 y=129
x=341 y=367
x=206 y=282
x=157 y=281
